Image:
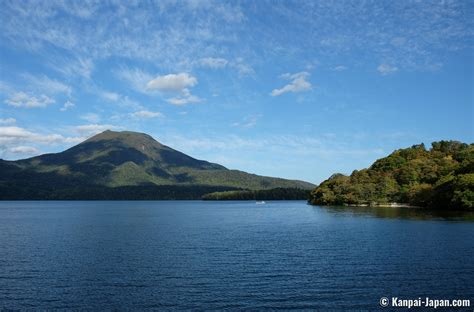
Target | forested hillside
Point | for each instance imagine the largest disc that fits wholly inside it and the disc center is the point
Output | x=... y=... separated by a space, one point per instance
x=271 y=194
x=441 y=177
x=125 y=165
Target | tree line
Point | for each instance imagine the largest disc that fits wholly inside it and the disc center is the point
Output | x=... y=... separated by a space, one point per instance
x=441 y=177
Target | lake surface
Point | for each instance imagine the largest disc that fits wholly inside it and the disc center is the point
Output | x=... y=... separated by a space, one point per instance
x=228 y=255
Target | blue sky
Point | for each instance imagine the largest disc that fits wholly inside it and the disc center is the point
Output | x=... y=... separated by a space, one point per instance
x=292 y=89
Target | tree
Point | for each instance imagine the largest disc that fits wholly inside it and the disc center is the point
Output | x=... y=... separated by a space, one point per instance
x=442 y=177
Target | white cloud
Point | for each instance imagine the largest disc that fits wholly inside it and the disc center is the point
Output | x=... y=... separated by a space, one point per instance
x=92 y=129
x=75 y=67
x=153 y=34
x=386 y=69
x=5 y=87
x=176 y=83
x=17 y=141
x=9 y=134
x=83 y=67
x=121 y=100
x=21 y=99
x=67 y=106
x=172 y=82
x=91 y=117
x=110 y=96
x=183 y=100
x=237 y=64
x=26 y=150
x=298 y=84
x=5 y=121
x=148 y=35
x=340 y=68
x=247 y=122
x=47 y=85
x=279 y=144
x=83 y=10
x=125 y=101
x=137 y=78
x=213 y=62
x=243 y=68
x=17 y=135
x=146 y=114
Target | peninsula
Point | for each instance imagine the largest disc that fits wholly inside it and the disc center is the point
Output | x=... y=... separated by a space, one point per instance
x=441 y=177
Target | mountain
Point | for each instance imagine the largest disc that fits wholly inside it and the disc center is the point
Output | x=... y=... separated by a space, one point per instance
x=124 y=165
x=442 y=177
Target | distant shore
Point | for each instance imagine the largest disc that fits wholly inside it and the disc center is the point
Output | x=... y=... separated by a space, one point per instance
x=386 y=205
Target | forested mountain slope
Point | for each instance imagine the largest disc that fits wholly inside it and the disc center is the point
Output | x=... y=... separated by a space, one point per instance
x=441 y=177
x=120 y=165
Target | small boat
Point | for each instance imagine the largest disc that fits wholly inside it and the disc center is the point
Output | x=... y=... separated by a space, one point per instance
x=260 y=203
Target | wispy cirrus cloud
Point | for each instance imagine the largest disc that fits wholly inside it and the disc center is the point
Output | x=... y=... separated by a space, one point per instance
x=6 y=121
x=47 y=85
x=24 y=150
x=286 y=152
x=18 y=135
x=22 y=99
x=298 y=83
x=386 y=69
x=41 y=92
x=88 y=130
x=91 y=117
x=340 y=68
x=144 y=114
x=121 y=100
x=73 y=67
x=238 y=64
x=409 y=35
x=110 y=96
x=285 y=144
x=184 y=98
x=412 y=35
x=20 y=142
x=67 y=105
x=136 y=78
x=213 y=62
x=247 y=122
x=140 y=31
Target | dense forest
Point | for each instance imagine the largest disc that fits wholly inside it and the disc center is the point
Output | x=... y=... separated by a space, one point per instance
x=441 y=177
x=98 y=192
x=272 y=194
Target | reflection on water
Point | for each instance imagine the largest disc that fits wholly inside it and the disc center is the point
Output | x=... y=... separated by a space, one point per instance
x=401 y=213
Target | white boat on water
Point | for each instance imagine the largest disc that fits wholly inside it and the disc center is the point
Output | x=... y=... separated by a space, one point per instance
x=260 y=202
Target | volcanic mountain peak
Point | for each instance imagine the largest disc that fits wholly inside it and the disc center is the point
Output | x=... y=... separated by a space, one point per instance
x=125 y=159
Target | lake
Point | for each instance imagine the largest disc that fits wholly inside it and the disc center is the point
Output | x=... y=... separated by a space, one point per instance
x=228 y=255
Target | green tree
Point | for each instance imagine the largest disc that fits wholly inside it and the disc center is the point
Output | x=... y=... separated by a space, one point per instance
x=441 y=177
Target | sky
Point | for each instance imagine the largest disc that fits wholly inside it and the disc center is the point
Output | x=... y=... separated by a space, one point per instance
x=293 y=89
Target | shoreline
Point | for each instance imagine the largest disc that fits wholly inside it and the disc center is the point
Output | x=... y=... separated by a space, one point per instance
x=387 y=205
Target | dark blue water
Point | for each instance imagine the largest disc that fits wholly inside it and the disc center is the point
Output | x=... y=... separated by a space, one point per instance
x=234 y=255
